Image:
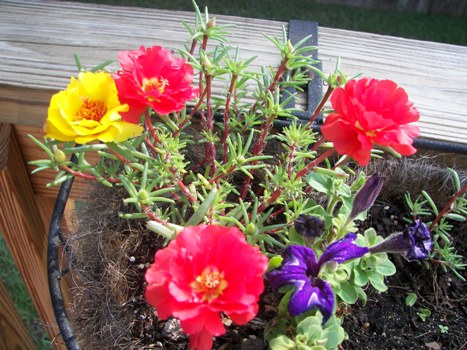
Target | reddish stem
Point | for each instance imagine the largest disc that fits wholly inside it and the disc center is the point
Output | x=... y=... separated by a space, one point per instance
x=211 y=155
x=203 y=47
x=185 y=191
x=277 y=213
x=86 y=176
x=314 y=163
x=195 y=109
x=317 y=144
x=278 y=191
x=123 y=160
x=221 y=175
x=147 y=121
x=193 y=47
x=320 y=106
x=151 y=215
x=270 y=200
x=150 y=145
x=257 y=149
x=226 y=117
x=447 y=208
x=280 y=71
x=246 y=185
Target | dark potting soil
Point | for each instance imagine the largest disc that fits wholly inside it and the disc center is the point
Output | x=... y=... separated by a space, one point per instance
x=385 y=322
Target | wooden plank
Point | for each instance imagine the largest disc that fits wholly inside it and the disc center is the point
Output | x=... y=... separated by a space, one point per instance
x=5 y=132
x=13 y=333
x=39 y=180
x=25 y=234
x=36 y=56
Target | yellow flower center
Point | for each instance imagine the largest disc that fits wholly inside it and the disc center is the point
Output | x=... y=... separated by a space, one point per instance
x=154 y=84
x=91 y=110
x=369 y=133
x=210 y=284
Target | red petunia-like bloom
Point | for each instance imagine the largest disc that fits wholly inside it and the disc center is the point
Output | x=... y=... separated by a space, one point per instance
x=206 y=270
x=367 y=112
x=151 y=77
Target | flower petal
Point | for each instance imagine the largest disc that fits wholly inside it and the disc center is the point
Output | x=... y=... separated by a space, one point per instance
x=307 y=297
x=367 y=112
x=342 y=250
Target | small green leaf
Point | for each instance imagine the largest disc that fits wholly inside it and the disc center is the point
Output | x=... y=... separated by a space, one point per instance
x=348 y=293
x=319 y=182
x=362 y=295
x=370 y=236
x=424 y=314
x=275 y=262
x=360 y=276
x=410 y=299
x=334 y=333
x=283 y=310
x=377 y=281
x=386 y=268
x=198 y=215
x=443 y=329
x=456 y=217
x=282 y=342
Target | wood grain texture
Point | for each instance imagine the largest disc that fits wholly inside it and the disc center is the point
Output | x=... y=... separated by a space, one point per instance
x=25 y=235
x=38 y=40
x=13 y=333
x=30 y=151
x=5 y=131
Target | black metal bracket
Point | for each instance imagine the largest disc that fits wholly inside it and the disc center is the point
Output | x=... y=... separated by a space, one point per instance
x=314 y=89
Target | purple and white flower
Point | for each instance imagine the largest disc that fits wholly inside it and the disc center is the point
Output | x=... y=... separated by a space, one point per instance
x=300 y=269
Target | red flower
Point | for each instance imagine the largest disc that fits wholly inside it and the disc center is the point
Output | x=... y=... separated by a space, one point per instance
x=367 y=112
x=204 y=271
x=151 y=77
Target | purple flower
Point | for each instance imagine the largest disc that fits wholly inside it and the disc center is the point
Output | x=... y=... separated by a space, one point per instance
x=309 y=225
x=414 y=243
x=367 y=195
x=300 y=269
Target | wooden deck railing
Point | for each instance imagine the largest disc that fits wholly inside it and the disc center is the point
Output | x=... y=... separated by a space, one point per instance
x=37 y=43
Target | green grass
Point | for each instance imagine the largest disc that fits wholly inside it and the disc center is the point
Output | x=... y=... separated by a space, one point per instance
x=14 y=284
x=438 y=28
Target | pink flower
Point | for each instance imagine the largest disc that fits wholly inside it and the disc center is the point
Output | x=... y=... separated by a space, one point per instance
x=206 y=270
x=367 y=112
x=151 y=77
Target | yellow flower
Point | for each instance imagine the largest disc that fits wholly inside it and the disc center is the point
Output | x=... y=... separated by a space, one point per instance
x=89 y=109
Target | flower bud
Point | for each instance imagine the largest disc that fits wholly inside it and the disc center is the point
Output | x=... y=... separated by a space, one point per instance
x=367 y=195
x=309 y=225
x=241 y=160
x=206 y=63
x=211 y=23
x=290 y=49
x=250 y=229
x=414 y=243
x=143 y=195
x=332 y=266
x=59 y=156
